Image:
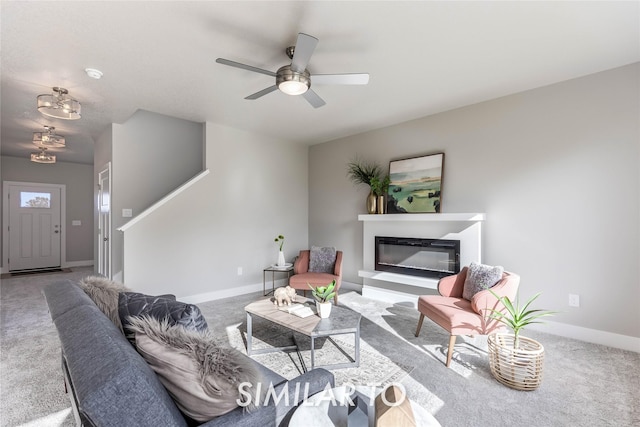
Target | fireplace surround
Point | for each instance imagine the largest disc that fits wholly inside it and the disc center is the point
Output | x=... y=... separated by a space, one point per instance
x=402 y=288
x=432 y=258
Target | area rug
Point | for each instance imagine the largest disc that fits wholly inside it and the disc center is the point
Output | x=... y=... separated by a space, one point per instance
x=375 y=369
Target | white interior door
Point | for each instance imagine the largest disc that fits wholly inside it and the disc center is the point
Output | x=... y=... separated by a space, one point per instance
x=104 y=222
x=34 y=227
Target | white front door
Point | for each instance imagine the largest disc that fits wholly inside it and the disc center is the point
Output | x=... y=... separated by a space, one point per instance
x=104 y=222
x=34 y=227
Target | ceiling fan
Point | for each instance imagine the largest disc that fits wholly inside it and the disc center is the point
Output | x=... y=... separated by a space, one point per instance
x=295 y=79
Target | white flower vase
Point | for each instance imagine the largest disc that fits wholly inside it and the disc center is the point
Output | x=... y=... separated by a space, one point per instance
x=324 y=309
x=281 y=261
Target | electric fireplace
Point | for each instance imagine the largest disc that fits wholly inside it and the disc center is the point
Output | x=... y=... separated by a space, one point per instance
x=434 y=258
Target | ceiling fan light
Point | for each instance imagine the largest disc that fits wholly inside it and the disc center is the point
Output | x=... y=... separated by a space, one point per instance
x=291 y=82
x=293 y=87
x=59 y=105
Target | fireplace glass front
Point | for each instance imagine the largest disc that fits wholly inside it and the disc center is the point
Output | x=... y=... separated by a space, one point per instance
x=435 y=258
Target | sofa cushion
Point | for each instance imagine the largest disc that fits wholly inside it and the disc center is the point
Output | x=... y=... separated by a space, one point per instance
x=479 y=278
x=202 y=377
x=322 y=259
x=104 y=293
x=159 y=307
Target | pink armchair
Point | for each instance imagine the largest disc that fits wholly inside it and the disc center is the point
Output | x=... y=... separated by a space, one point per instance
x=461 y=317
x=302 y=276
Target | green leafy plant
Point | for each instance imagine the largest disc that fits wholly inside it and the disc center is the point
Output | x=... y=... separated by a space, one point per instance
x=517 y=317
x=362 y=172
x=323 y=294
x=380 y=186
x=280 y=240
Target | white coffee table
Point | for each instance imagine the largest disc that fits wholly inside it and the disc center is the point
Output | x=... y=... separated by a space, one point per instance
x=319 y=410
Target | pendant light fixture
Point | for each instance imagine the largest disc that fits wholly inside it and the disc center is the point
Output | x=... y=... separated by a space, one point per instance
x=59 y=105
x=48 y=138
x=43 y=156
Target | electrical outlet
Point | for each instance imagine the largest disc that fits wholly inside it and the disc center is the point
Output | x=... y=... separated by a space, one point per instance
x=574 y=300
x=239 y=271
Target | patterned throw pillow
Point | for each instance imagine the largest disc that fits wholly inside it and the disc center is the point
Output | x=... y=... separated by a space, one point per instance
x=203 y=378
x=322 y=260
x=479 y=278
x=158 y=307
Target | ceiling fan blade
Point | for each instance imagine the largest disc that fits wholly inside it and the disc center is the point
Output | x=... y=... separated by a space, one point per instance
x=245 y=67
x=305 y=45
x=313 y=99
x=263 y=92
x=340 y=79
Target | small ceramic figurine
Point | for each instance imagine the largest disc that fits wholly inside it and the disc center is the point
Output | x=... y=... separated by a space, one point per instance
x=284 y=296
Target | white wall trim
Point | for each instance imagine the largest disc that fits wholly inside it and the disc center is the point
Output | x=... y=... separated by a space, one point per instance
x=85 y=263
x=566 y=330
x=594 y=336
x=223 y=293
x=164 y=200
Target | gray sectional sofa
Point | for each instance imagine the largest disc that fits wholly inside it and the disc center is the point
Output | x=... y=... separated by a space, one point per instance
x=112 y=385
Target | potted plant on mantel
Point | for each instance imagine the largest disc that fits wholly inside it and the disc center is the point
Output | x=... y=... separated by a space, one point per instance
x=362 y=172
x=323 y=296
x=516 y=361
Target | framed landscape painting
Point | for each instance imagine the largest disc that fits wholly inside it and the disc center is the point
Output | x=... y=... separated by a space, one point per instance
x=416 y=184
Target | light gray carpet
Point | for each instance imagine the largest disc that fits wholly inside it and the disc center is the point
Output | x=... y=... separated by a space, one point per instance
x=584 y=384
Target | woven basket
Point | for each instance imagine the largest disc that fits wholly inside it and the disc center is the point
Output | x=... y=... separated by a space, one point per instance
x=519 y=368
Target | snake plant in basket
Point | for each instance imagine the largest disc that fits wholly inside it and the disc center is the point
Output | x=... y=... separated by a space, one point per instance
x=516 y=361
x=323 y=296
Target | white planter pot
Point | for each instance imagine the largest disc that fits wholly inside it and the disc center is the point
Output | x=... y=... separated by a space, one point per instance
x=324 y=309
x=281 y=261
x=519 y=368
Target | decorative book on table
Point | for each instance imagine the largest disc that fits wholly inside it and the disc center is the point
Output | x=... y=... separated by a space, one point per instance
x=299 y=310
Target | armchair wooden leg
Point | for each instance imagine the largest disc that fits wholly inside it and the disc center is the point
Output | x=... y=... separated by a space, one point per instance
x=419 y=324
x=452 y=343
x=335 y=299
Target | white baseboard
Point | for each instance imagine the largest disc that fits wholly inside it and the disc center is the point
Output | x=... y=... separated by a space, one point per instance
x=70 y=264
x=224 y=293
x=609 y=339
x=594 y=336
x=242 y=290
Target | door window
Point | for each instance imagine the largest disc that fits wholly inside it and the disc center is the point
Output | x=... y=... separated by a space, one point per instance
x=30 y=199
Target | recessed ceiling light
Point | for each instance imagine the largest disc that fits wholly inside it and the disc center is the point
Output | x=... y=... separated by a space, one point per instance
x=93 y=73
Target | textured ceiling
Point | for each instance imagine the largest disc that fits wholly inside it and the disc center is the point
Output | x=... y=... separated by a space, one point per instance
x=423 y=58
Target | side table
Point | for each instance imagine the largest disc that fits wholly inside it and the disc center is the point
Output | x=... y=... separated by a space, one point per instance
x=287 y=268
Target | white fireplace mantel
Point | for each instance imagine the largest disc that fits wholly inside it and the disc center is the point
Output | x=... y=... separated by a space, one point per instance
x=465 y=227
x=435 y=217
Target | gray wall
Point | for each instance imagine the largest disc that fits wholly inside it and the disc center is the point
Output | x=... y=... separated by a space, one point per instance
x=556 y=169
x=151 y=155
x=256 y=189
x=79 y=192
